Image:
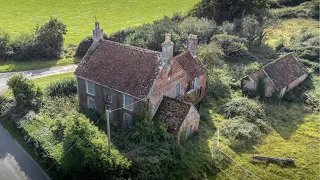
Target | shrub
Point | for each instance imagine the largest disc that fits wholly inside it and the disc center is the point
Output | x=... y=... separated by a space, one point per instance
x=211 y=54
x=315 y=9
x=26 y=93
x=84 y=46
x=218 y=87
x=92 y=150
x=242 y=134
x=23 y=48
x=204 y=28
x=4 y=44
x=120 y=36
x=151 y=36
x=229 y=43
x=63 y=87
x=244 y=107
x=49 y=39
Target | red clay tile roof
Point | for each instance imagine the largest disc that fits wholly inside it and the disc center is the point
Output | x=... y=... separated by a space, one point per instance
x=193 y=67
x=121 y=67
x=172 y=113
x=284 y=70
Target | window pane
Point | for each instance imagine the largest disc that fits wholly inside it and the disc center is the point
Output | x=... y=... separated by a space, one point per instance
x=196 y=83
x=178 y=87
x=127 y=120
x=90 y=87
x=128 y=100
x=91 y=104
x=108 y=95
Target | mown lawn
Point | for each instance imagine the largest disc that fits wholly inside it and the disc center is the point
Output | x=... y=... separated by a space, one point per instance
x=22 y=16
x=288 y=28
x=43 y=82
x=11 y=66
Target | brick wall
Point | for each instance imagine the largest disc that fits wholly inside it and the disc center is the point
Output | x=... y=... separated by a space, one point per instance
x=193 y=118
x=101 y=103
x=169 y=76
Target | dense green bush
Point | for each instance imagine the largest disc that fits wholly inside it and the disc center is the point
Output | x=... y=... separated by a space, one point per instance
x=45 y=43
x=151 y=36
x=203 y=28
x=49 y=39
x=26 y=93
x=227 y=10
x=229 y=43
x=315 y=8
x=4 y=44
x=152 y=150
x=211 y=55
x=218 y=87
x=84 y=46
x=63 y=87
x=244 y=107
x=242 y=134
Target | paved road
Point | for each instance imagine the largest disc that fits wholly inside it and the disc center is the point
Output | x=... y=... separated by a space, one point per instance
x=15 y=163
x=34 y=74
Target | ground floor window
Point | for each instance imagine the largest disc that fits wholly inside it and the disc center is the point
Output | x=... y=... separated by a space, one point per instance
x=189 y=129
x=91 y=103
x=127 y=120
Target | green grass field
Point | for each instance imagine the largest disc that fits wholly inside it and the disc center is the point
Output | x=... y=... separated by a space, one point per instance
x=288 y=28
x=22 y=16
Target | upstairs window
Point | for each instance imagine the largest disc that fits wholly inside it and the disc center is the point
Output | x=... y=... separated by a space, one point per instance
x=127 y=102
x=196 y=83
x=108 y=95
x=177 y=89
x=90 y=88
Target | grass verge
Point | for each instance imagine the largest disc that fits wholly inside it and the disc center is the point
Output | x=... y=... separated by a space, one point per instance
x=43 y=82
x=11 y=66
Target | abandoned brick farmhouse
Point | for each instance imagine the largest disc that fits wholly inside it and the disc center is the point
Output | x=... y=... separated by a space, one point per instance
x=113 y=75
x=279 y=76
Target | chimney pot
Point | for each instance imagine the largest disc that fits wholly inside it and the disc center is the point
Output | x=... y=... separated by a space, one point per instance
x=97 y=33
x=167 y=49
x=192 y=45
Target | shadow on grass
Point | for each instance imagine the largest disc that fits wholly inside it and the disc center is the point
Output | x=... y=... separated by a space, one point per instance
x=286 y=116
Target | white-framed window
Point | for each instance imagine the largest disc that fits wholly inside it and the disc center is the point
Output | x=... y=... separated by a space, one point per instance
x=189 y=129
x=91 y=104
x=128 y=102
x=177 y=89
x=127 y=120
x=196 y=83
x=90 y=88
x=108 y=95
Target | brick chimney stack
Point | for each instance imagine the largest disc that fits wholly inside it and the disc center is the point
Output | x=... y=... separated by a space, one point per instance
x=192 y=45
x=97 y=33
x=167 y=49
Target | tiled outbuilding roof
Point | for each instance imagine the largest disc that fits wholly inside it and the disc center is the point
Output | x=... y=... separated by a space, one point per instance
x=284 y=70
x=172 y=113
x=193 y=67
x=125 y=68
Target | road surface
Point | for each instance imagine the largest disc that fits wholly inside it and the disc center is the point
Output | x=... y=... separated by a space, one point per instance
x=34 y=74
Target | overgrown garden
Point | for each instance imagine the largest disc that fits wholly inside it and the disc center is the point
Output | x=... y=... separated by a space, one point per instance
x=230 y=49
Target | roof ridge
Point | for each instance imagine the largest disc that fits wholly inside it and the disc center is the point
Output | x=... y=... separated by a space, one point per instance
x=133 y=47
